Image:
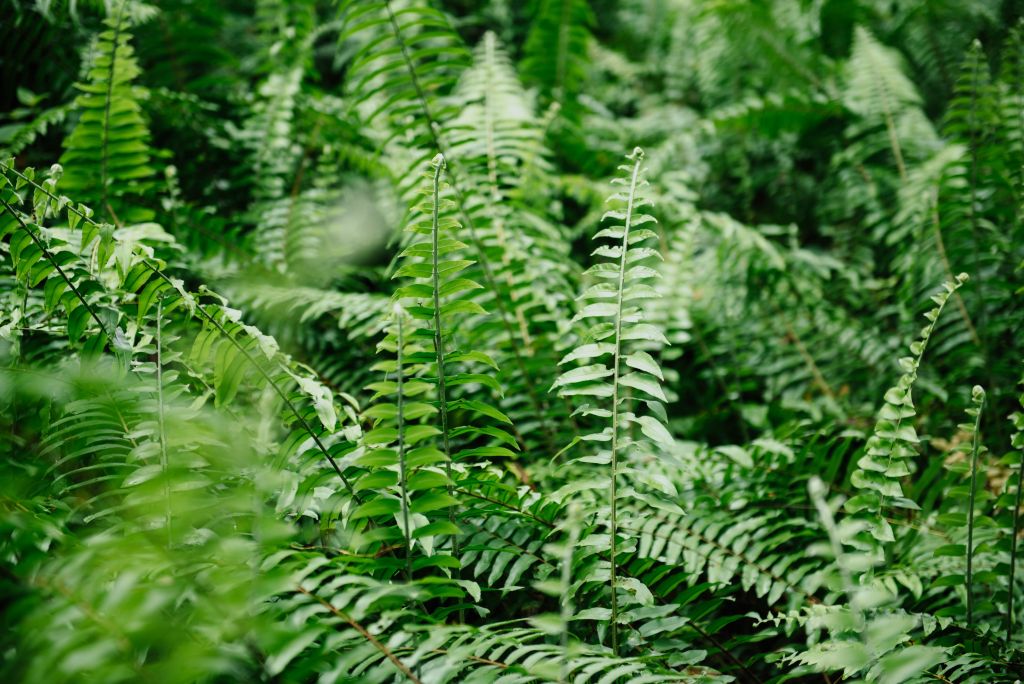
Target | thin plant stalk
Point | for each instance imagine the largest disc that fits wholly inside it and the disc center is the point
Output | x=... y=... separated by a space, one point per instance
x=613 y=494
x=568 y=608
x=1018 y=443
x=403 y=476
x=978 y=396
x=1013 y=551
x=442 y=394
x=160 y=413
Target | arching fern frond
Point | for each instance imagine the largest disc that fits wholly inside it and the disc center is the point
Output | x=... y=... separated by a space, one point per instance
x=892 y=444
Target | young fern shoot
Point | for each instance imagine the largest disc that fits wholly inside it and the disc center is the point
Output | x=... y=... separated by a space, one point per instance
x=978 y=401
x=611 y=306
x=1017 y=418
x=893 y=443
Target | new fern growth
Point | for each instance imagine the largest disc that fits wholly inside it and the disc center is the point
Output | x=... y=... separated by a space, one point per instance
x=978 y=401
x=893 y=442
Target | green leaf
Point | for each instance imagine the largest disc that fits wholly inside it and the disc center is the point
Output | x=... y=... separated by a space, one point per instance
x=909 y=662
x=653 y=428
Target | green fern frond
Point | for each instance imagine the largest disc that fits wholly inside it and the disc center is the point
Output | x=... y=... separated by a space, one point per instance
x=107 y=155
x=878 y=90
x=611 y=308
x=893 y=442
x=556 y=49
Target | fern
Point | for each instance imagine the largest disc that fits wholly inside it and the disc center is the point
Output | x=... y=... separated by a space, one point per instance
x=417 y=78
x=862 y=642
x=892 y=442
x=878 y=88
x=107 y=156
x=561 y=26
x=618 y=320
x=978 y=398
x=526 y=251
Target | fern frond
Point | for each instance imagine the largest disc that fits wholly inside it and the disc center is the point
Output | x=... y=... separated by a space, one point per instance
x=878 y=90
x=107 y=156
x=893 y=442
x=228 y=348
x=611 y=307
x=556 y=49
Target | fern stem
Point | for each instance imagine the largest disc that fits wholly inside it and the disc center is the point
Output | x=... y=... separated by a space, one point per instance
x=972 y=211
x=1011 y=585
x=979 y=399
x=496 y=198
x=160 y=413
x=442 y=393
x=894 y=139
x=307 y=428
x=726 y=653
x=388 y=653
x=503 y=504
x=403 y=481
x=917 y=363
x=805 y=356
x=573 y=536
x=639 y=157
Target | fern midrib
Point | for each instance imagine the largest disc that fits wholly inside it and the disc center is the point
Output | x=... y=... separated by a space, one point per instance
x=615 y=398
x=442 y=393
x=972 y=212
x=944 y=256
x=917 y=365
x=365 y=633
x=49 y=257
x=969 y=577
x=403 y=482
x=541 y=404
x=890 y=125
x=496 y=194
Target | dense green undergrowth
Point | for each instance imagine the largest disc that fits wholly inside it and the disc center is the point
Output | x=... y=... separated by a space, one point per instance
x=568 y=341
